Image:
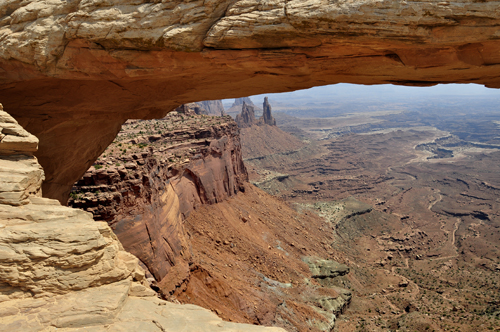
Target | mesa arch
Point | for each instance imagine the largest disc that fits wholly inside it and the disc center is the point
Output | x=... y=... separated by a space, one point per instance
x=71 y=72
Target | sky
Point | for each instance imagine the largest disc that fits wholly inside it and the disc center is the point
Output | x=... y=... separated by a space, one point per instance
x=376 y=92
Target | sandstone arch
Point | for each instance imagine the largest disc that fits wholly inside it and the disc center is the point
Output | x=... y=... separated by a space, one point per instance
x=72 y=72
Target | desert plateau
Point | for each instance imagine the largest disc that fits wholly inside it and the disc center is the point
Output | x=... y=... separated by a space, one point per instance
x=412 y=201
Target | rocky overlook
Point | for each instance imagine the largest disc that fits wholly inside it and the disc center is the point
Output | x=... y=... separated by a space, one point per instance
x=175 y=192
x=73 y=72
x=63 y=271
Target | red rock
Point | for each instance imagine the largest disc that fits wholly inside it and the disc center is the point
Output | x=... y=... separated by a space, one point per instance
x=145 y=202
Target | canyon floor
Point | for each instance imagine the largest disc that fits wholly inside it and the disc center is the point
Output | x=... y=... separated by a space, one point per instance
x=412 y=201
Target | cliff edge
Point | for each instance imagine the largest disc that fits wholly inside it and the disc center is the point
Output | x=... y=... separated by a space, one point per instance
x=176 y=193
x=61 y=270
x=154 y=175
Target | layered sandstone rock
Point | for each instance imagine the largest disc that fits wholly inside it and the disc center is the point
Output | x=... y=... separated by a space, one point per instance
x=61 y=270
x=170 y=167
x=73 y=72
x=167 y=189
x=213 y=107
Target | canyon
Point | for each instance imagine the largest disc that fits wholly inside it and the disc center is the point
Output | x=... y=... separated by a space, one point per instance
x=411 y=199
x=73 y=72
x=175 y=191
x=61 y=270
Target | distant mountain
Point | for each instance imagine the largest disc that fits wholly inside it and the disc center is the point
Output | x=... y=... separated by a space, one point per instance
x=240 y=101
x=213 y=107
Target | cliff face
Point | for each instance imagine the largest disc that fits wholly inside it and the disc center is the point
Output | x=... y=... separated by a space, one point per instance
x=243 y=100
x=213 y=107
x=61 y=270
x=154 y=175
x=248 y=264
x=175 y=192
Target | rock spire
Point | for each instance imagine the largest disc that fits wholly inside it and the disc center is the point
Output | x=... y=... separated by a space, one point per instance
x=247 y=116
x=267 y=117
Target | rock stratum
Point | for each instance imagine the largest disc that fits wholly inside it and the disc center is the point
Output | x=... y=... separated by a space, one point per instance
x=154 y=175
x=213 y=107
x=71 y=72
x=61 y=270
x=175 y=193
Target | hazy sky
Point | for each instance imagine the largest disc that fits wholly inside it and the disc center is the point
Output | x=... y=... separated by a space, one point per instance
x=386 y=92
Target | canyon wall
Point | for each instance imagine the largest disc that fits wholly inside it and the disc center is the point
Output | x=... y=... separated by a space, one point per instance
x=213 y=107
x=147 y=192
x=73 y=72
x=175 y=192
x=61 y=270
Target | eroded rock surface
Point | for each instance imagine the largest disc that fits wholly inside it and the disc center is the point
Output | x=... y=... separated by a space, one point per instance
x=213 y=107
x=175 y=192
x=61 y=270
x=247 y=116
x=154 y=175
x=247 y=119
x=72 y=72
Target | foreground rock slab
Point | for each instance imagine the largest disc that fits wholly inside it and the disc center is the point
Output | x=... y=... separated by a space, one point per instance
x=61 y=270
x=110 y=308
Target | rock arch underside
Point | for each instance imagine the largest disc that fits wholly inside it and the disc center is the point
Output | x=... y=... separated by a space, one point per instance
x=73 y=71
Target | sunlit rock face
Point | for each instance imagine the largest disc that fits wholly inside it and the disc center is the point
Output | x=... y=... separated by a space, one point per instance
x=71 y=72
x=67 y=271
x=247 y=116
